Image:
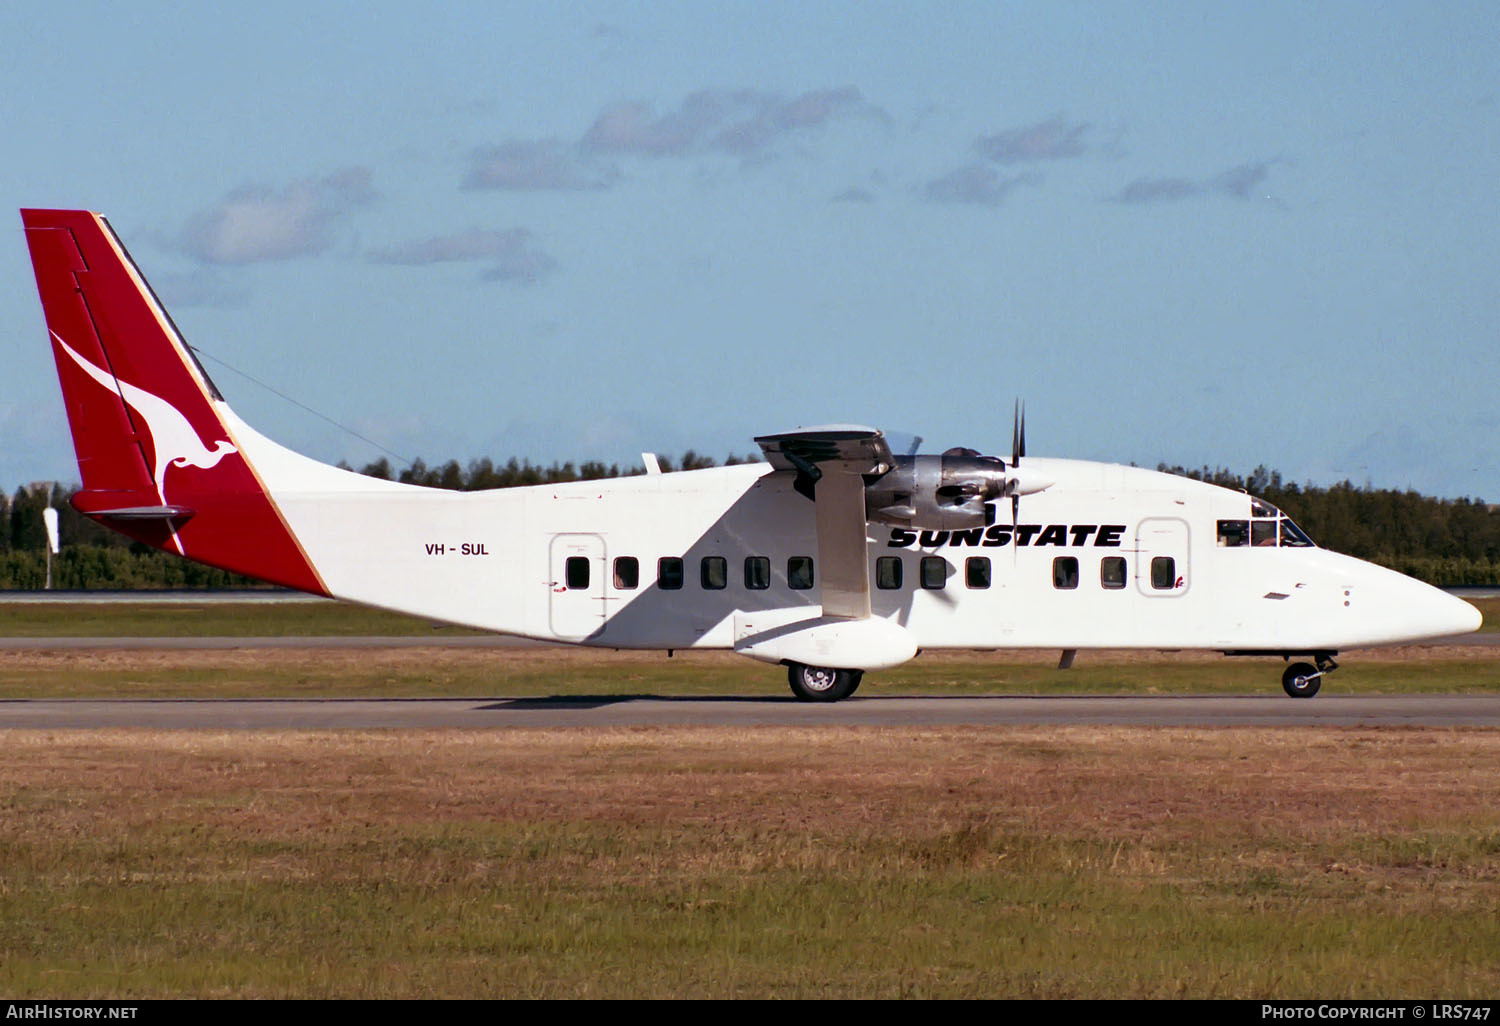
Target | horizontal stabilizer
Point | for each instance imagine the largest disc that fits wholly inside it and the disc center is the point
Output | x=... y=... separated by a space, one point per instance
x=144 y=513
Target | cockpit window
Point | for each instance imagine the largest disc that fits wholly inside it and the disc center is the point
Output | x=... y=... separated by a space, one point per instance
x=1268 y=528
x=1233 y=533
x=1293 y=536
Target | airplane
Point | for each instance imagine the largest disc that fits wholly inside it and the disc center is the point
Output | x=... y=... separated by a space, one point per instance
x=833 y=558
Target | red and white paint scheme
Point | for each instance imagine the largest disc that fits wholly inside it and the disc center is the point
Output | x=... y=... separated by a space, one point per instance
x=834 y=557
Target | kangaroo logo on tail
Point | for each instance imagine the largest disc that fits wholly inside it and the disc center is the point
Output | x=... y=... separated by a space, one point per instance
x=175 y=442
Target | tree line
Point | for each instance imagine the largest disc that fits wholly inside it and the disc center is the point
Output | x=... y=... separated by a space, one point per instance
x=1442 y=541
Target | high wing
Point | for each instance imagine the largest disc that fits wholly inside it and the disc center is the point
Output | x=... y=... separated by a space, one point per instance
x=831 y=464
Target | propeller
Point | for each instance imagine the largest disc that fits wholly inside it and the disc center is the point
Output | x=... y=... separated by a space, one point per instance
x=1019 y=482
x=1017 y=450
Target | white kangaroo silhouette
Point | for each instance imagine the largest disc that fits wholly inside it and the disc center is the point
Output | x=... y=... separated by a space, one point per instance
x=172 y=437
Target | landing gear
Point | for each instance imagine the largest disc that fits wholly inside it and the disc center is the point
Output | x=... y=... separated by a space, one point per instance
x=1302 y=680
x=822 y=684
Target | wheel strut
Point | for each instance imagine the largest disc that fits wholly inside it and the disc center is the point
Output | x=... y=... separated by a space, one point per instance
x=1302 y=680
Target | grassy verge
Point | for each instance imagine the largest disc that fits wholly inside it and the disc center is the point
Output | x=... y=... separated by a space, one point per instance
x=210 y=619
x=301 y=619
x=1490 y=609
x=965 y=862
x=445 y=672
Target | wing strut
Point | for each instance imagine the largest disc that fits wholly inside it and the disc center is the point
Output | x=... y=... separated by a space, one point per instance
x=831 y=464
x=843 y=554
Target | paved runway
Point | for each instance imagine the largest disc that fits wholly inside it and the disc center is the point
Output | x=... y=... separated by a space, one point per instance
x=611 y=711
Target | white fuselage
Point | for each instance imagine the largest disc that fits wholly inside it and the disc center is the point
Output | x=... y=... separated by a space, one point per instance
x=499 y=560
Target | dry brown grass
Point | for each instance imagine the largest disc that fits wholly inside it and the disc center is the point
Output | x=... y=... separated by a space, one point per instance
x=1146 y=787
x=948 y=861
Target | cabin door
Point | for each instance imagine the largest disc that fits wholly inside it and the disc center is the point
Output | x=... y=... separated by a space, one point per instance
x=578 y=565
x=1161 y=562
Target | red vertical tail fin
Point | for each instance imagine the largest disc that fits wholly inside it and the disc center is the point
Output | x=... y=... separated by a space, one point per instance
x=158 y=462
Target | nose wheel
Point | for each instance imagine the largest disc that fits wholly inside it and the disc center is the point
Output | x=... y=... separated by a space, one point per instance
x=1302 y=680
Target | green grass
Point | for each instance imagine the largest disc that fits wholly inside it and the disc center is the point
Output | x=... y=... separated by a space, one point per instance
x=445 y=674
x=1045 y=929
x=209 y=619
x=1490 y=607
x=292 y=619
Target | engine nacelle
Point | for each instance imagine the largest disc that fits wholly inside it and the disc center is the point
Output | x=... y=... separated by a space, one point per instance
x=937 y=493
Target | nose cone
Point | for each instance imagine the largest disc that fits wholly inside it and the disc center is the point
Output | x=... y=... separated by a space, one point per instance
x=1430 y=613
x=1466 y=618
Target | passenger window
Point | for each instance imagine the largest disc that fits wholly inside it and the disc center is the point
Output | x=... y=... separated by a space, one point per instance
x=577 y=574
x=669 y=573
x=1112 y=573
x=1233 y=533
x=1262 y=533
x=1163 y=572
x=757 y=573
x=888 y=572
x=977 y=571
x=714 y=573
x=799 y=573
x=934 y=572
x=627 y=573
x=1065 y=573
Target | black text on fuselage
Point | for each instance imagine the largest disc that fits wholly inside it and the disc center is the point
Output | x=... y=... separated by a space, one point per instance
x=1105 y=536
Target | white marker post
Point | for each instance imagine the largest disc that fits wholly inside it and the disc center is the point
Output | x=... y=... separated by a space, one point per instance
x=49 y=518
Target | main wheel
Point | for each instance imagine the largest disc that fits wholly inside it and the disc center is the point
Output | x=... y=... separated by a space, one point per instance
x=1301 y=680
x=821 y=683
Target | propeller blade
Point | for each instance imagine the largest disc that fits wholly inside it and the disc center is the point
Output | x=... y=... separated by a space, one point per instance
x=1015 y=434
x=1015 y=522
x=1017 y=450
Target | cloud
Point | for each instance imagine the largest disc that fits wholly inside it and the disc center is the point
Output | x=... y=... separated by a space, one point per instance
x=1242 y=181
x=523 y=264
x=975 y=183
x=513 y=254
x=634 y=128
x=1055 y=139
x=747 y=123
x=258 y=223
x=744 y=122
x=1158 y=190
x=535 y=164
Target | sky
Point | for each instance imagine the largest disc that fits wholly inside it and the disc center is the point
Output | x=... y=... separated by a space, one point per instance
x=1225 y=234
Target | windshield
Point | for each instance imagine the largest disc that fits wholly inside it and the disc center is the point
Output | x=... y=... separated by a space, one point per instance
x=1267 y=527
x=1293 y=536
